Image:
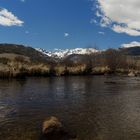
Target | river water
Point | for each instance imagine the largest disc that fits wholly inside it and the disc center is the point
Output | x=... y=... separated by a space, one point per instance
x=95 y=107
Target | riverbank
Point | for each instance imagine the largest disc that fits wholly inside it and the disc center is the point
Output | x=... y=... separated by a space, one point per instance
x=42 y=70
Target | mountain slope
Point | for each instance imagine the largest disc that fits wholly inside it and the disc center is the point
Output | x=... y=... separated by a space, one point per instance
x=29 y=52
x=134 y=51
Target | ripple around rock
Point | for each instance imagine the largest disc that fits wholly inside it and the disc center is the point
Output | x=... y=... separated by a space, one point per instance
x=53 y=129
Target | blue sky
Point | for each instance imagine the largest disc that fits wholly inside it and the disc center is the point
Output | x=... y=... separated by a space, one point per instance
x=64 y=24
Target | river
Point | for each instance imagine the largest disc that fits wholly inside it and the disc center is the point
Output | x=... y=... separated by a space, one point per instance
x=95 y=107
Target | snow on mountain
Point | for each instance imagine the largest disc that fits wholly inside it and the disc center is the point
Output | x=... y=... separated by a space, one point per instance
x=63 y=53
x=44 y=51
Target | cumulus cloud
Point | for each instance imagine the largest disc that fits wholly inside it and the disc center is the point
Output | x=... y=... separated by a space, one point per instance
x=122 y=16
x=66 y=34
x=131 y=44
x=9 y=19
x=120 y=29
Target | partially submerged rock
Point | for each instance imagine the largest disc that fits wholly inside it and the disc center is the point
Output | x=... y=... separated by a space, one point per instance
x=131 y=74
x=51 y=125
x=53 y=129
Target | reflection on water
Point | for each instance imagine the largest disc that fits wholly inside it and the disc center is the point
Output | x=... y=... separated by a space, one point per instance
x=94 y=107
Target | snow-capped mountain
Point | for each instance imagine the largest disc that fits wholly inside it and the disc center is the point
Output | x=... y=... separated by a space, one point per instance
x=63 y=53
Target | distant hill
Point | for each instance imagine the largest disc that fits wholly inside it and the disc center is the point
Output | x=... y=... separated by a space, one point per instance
x=134 y=51
x=29 y=52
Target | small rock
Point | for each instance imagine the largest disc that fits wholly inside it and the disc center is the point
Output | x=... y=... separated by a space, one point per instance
x=131 y=74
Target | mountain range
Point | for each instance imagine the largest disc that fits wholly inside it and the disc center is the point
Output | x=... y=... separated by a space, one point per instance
x=64 y=53
x=59 y=53
x=39 y=54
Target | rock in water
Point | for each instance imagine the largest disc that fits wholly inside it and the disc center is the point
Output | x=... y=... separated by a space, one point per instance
x=131 y=74
x=51 y=125
x=53 y=129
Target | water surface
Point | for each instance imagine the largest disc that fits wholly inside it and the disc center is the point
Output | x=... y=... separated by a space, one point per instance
x=96 y=107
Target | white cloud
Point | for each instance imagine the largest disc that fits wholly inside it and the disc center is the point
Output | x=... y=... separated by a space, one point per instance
x=131 y=44
x=120 y=29
x=22 y=0
x=66 y=34
x=102 y=33
x=93 y=21
x=27 y=32
x=9 y=19
x=122 y=16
